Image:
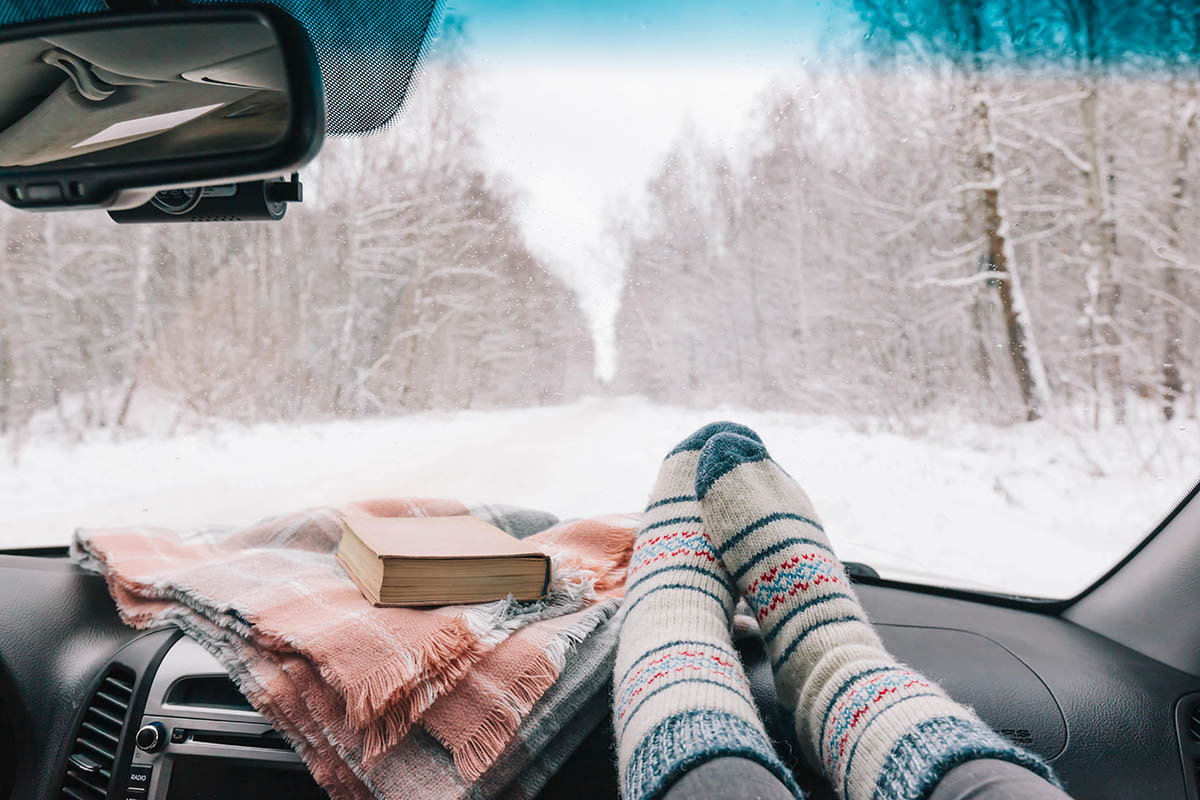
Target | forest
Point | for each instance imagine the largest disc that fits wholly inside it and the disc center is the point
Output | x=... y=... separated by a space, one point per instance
x=992 y=210
x=987 y=209
x=406 y=287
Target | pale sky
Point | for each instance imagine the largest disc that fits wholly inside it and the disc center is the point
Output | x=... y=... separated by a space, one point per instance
x=581 y=101
x=581 y=141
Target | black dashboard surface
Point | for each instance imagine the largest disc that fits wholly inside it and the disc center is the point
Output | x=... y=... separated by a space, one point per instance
x=1118 y=706
x=1102 y=712
x=58 y=627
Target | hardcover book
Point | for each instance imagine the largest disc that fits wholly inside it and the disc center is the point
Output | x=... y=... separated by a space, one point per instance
x=434 y=561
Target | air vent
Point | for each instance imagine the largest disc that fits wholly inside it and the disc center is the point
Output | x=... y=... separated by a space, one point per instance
x=93 y=757
x=1194 y=724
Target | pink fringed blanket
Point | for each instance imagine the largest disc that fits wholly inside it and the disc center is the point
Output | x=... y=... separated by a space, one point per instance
x=345 y=682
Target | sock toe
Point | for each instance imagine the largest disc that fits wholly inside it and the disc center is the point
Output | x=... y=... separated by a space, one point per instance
x=700 y=438
x=722 y=453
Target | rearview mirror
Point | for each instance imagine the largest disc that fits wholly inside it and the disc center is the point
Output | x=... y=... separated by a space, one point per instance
x=104 y=111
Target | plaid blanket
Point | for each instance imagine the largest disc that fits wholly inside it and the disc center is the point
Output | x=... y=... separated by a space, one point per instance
x=574 y=706
x=364 y=694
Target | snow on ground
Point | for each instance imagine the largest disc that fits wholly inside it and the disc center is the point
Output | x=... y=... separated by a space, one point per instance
x=1032 y=509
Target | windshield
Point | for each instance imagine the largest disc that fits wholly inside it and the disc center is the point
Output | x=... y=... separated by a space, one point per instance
x=944 y=259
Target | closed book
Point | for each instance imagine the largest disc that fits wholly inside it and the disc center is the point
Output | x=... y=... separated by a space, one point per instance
x=435 y=561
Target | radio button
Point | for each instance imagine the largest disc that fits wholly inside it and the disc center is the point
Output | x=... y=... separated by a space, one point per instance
x=139 y=780
x=151 y=737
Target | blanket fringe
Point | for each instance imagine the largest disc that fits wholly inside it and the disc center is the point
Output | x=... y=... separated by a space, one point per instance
x=576 y=632
x=373 y=696
x=387 y=729
x=618 y=550
x=478 y=753
x=496 y=729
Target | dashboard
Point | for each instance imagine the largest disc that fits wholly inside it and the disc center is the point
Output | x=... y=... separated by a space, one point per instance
x=194 y=736
x=92 y=709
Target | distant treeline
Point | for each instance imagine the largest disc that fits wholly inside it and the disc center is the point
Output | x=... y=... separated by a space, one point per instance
x=940 y=226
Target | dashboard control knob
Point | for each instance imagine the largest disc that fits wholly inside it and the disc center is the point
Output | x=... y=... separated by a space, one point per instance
x=151 y=737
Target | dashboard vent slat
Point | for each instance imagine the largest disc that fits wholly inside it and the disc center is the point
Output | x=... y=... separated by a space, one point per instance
x=121 y=686
x=99 y=731
x=107 y=755
x=106 y=716
x=1194 y=726
x=74 y=795
x=116 y=702
x=93 y=755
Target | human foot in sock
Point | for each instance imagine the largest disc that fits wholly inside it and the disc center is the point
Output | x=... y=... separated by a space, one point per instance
x=680 y=695
x=876 y=729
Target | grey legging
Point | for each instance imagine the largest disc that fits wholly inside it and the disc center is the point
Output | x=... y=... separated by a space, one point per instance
x=982 y=779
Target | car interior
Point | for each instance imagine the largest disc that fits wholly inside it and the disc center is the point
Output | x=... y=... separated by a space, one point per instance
x=1104 y=685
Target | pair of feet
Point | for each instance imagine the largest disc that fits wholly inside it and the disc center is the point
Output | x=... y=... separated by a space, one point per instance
x=724 y=520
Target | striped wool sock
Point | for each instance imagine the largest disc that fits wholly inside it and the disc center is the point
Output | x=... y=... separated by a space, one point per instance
x=876 y=729
x=680 y=695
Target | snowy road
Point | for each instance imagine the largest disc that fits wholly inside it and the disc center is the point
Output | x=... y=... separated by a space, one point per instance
x=1031 y=509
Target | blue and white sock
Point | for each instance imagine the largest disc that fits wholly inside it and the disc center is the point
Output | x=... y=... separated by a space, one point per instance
x=875 y=728
x=681 y=696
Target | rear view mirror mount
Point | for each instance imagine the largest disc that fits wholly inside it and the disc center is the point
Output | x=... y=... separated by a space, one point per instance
x=250 y=201
x=110 y=110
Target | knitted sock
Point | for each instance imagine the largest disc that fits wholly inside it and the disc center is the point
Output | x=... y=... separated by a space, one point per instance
x=680 y=695
x=875 y=728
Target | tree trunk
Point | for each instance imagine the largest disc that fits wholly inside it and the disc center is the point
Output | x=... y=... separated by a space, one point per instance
x=143 y=255
x=999 y=258
x=8 y=302
x=1172 y=377
x=983 y=359
x=1100 y=247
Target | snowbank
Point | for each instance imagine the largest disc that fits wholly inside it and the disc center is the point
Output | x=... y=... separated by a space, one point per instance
x=1032 y=509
